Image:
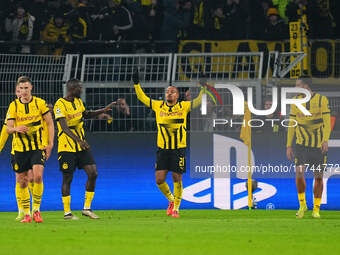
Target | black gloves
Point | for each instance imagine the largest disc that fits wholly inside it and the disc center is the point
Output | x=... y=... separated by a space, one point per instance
x=135 y=77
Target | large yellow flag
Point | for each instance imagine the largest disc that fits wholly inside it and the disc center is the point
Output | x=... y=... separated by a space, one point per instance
x=245 y=135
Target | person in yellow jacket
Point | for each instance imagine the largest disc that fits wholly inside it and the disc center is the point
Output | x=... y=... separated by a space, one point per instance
x=3 y=139
x=56 y=31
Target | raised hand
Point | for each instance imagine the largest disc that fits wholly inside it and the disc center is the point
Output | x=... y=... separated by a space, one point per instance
x=109 y=107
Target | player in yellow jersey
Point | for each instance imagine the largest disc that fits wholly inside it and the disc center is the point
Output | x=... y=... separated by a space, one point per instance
x=73 y=150
x=171 y=118
x=3 y=138
x=312 y=135
x=24 y=120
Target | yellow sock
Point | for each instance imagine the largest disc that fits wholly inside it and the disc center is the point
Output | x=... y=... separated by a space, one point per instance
x=67 y=204
x=178 y=191
x=25 y=199
x=38 y=189
x=88 y=199
x=164 y=187
x=302 y=198
x=18 y=197
x=31 y=187
x=317 y=204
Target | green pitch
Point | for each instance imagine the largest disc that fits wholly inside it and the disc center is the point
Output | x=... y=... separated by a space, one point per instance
x=152 y=232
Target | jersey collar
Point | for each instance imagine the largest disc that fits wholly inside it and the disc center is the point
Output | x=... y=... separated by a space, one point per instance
x=26 y=103
x=68 y=100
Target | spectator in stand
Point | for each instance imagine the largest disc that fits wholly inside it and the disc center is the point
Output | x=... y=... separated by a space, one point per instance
x=258 y=18
x=78 y=28
x=154 y=16
x=185 y=8
x=139 y=28
x=56 y=32
x=77 y=31
x=122 y=115
x=120 y=120
x=39 y=9
x=276 y=29
x=322 y=24
x=229 y=20
x=175 y=19
x=281 y=6
x=20 y=26
x=85 y=11
x=117 y=20
x=198 y=29
x=295 y=9
x=238 y=17
x=222 y=30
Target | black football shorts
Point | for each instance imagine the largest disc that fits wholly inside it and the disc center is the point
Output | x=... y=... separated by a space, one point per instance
x=69 y=161
x=171 y=160
x=311 y=157
x=24 y=161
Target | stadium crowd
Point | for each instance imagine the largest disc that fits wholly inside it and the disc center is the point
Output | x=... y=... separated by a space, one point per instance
x=66 y=22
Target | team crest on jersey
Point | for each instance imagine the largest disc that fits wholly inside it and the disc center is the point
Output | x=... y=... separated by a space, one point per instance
x=16 y=167
x=65 y=166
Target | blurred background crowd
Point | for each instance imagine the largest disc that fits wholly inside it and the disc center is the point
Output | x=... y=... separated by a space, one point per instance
x=63 y=22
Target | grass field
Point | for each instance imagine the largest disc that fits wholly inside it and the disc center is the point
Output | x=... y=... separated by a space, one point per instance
x=152 y=232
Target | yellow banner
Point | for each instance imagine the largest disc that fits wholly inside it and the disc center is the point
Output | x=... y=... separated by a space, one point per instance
x=295 y=46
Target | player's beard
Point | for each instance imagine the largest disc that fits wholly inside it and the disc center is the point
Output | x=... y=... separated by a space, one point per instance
x=77 y=94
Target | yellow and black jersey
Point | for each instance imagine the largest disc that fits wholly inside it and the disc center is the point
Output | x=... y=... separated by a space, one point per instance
x=4 y=136
x=311 y=131
x=171 y=120
x=29 y=115
x=73 y=113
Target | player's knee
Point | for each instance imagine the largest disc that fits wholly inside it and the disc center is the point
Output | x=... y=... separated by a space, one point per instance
x=176 y=177
x=300 y=175
x=93 y=174
x=67 y=178
x=160 y=180
x=65 y=190
x=23 y=181
x=37 y=179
